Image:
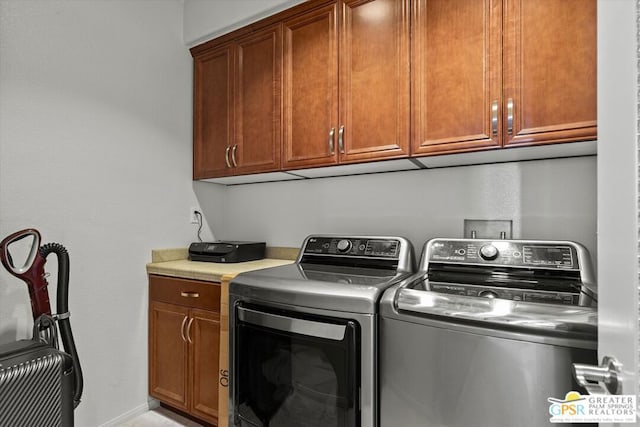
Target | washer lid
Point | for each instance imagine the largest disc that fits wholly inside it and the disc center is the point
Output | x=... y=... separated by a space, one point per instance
x=552 y=319
x=330 y=287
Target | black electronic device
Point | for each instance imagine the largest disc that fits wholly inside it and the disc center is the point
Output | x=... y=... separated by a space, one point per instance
x=226 y=251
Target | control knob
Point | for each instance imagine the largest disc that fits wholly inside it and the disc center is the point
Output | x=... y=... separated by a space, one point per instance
x=488 y=294
x=489 y=252
x=344 y=245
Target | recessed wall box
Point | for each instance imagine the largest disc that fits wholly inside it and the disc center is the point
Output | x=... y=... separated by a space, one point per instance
x=488 y=229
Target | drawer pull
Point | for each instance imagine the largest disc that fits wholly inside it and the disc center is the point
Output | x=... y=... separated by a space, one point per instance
x=190 y=294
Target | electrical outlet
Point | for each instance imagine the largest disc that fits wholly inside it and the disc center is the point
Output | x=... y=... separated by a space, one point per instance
x=193 y=216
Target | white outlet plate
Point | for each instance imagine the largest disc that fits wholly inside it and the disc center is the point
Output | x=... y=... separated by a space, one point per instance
x=193 y=217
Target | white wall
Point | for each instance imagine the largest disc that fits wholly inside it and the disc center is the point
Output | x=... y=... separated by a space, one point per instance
x=618 y=249
x=95 y=152
x=206 y=19
x=547 y=199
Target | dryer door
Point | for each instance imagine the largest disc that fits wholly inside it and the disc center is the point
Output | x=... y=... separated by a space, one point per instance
x=293 y=370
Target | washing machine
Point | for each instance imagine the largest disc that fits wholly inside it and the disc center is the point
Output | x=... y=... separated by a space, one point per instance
x=485 y=333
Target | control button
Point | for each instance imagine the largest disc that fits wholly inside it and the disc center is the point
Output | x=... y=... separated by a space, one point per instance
x=488 y=294
x=344 y=245
x=489 y=252
x=362 y=247
x=461 y=252
x=517 y=254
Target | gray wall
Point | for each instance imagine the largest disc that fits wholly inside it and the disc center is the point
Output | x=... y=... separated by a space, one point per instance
x=546 y=199
x=205 y=19
x=618 y=109
x=95 y=152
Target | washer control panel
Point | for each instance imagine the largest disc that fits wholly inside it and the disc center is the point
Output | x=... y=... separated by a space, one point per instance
x=353 y=246
x=504 y=252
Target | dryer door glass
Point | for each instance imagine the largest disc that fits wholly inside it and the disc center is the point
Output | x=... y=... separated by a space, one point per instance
x=295 y=370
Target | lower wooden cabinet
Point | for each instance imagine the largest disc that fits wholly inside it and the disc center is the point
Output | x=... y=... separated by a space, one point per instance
x=204 y=355
x=184 y=345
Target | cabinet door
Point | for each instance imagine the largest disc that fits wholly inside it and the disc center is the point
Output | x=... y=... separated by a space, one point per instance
x=550 y=71
x=204 y=339
x=258 y=102
x=374 y=80
x=212 y=112
x=456 y=75
x=310 y=89
x=168 y=360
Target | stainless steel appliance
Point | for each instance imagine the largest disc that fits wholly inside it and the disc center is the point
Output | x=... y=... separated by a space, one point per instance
x=485 y=333
x=304 y=336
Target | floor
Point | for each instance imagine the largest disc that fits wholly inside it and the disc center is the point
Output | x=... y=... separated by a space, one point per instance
x=160 y=417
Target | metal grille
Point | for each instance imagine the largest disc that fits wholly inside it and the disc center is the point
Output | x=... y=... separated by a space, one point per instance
x=30 y=392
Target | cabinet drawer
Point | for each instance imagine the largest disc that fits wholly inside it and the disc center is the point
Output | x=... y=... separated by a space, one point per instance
x=189 y=293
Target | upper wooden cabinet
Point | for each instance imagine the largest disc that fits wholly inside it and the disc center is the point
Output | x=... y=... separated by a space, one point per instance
x=456 y=74
x=258 y=95
x=213 y=111
x=237 y=105
x=311 y=88
x=346 y=83
x=328 y=82
x=493 y=73
x=549 y=71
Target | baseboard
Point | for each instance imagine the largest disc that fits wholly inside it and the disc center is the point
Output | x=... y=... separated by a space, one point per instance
x=129 y=415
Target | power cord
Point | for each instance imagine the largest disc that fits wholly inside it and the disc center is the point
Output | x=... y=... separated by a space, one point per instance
x=199 y=214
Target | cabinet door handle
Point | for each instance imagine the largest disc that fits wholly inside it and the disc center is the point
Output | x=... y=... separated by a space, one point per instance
x=189 y=331
x=182 y=329
x=332 y=134
x=233 y=156
x=226 y=156
x=341 y=139
x=494 y=118
x=190 y=294
x=510 y=116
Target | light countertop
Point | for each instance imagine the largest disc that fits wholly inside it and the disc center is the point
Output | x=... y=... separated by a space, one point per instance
x=175 y=263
